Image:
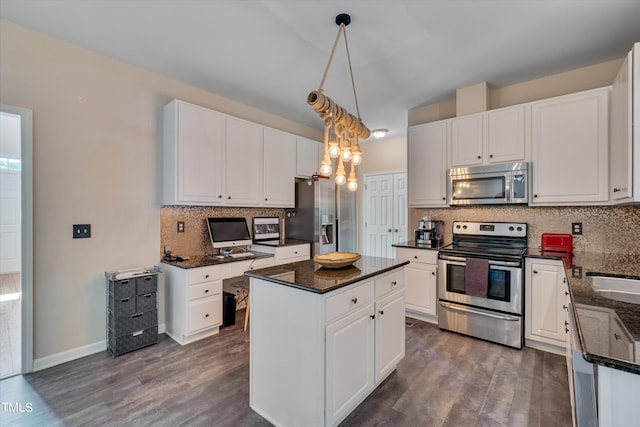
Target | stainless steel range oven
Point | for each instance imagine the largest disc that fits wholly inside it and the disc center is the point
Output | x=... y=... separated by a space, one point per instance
x=496 y=313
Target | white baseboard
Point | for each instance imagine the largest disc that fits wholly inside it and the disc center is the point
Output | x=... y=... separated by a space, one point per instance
x=75 y=353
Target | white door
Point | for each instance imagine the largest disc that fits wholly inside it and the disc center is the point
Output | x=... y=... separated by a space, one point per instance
x=385 y=207
x=10 y=247
x=378 y=221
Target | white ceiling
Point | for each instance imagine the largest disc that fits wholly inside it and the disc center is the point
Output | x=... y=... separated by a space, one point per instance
x=271 y=53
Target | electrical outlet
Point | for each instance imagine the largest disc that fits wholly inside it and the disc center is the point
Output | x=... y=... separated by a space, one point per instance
x=81 y=231
x=180 y=226
x=576 y=228
x=576 y=272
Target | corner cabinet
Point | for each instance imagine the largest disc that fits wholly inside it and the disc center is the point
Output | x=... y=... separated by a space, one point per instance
x=546 y=305
x=317 y=369
x=427 y=165
x=570 y=149
x=420 y=281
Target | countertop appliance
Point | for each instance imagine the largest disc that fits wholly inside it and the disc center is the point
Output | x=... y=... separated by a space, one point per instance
x=481 y=281
x=429 y=232
x=503 y=183
x=324 y=214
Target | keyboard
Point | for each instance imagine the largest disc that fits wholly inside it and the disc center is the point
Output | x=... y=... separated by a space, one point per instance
x=241 y=254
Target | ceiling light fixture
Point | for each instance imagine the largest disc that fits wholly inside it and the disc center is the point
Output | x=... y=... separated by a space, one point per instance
x=341 y=128
x=379 y=133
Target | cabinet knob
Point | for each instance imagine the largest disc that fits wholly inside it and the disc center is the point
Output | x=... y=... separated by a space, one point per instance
x=479 y=157
x=566 y=292
x=535 y=195
x=265 y=199
x=354 y=300
x=219 y=196
x=535 y=271
x=616 y=336
x=615 y=190
x=295 y=253
x=206 y=315
x=389 y=230
x=566 y=330
x=381 y=312
x=394 y=283
x=229 y=197
x=373 y=316
x=444 y=198
x=206 y=291
x=566 y=323
x=491 y=156
x=206 y=276
x=564 y=307
x=433 y=273
x=415 y=257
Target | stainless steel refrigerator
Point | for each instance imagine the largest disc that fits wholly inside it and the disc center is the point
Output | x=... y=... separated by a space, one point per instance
x=324 y=214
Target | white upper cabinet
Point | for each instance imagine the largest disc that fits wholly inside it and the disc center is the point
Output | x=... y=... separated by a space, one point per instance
x=569 y=149
x=244 y=162
x=194 y=155
x=624 y=131
x=427 y=165
x=279 y=167
x=506 y=140
x=307 y=160
x=467 y=140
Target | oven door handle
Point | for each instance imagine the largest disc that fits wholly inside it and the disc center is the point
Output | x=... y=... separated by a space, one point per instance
x=464 y=309
x=491 y=262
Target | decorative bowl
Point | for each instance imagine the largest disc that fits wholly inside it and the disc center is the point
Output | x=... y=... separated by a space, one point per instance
x=336 y=259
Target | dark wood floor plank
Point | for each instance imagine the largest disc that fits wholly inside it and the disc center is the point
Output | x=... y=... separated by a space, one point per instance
x=445 y=379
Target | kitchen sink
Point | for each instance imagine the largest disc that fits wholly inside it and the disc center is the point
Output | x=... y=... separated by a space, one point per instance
x=617 y=288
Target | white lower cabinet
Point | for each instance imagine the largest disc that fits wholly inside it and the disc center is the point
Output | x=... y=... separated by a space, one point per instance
x=420 y=283
x=315 y=357
x=194 y=302
x=285 y=254
x=546 y=303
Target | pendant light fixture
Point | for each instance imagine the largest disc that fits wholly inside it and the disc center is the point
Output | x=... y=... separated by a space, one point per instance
x=341 y=128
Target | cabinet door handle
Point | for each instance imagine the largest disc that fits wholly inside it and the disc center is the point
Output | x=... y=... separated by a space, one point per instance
x=373 y=316
x=354 y=300
x=395 y=230
x=566 y=330
x=206 y=276
x=616 y=336
x=389 y=230
x=295 y=253
x=206 y=291
x=535 y=271
x=135 y=334
x=219 y=196
x=491 y=156
x=147 y=295
x=381 y=312
x=564 y=307
x=433 y=273
x=265 y=199
x=566 y=292
x=615 y=190
x=136 y=315
x=444 y=198
x=479 y=157
x=535 y=195
x=394 y=283
x=415 y=257
x=206 y=315
x=229 y=197
x=124 y=300
x=564 y=280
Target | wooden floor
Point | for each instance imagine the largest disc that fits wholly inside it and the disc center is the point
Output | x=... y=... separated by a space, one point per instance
x=445 y=380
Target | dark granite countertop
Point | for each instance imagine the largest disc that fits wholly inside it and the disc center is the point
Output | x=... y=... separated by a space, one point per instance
x=310 y=276
x=411 y=244
x=580 y=268
x=205 y=260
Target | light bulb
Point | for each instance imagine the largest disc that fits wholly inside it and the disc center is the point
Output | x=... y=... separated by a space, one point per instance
x=352 y=186
x=325 y=169
x=334 y=150
x=346 y=155
x=357 y=158
x=340 y=179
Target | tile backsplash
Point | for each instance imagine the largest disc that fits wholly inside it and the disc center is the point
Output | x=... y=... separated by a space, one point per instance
x=195 y=239
x=606 y=229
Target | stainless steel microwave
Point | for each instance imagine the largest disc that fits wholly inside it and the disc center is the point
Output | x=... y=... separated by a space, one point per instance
x=499 y=184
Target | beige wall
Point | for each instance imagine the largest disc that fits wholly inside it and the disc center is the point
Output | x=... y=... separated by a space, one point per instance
x=97 y=160
x=591 y=77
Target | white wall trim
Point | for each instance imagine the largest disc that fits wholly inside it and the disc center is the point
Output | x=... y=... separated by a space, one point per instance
x=75 y=353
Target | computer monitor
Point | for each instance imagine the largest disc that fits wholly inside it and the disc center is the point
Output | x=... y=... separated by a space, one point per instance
x=228 y=232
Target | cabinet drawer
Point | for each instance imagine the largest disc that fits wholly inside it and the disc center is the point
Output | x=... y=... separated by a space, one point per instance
x=206 y=289
x=121 y=289
x=389 y=282
x=133 y=323
x=351 y=299
x=202 y=274
x=204 y=313
x=146 y=302
x=132 y=341
x=119 y=307
x=417 y=255
x=300 y=252
x=146 y=284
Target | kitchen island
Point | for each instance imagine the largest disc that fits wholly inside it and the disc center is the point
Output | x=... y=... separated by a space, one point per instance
x=323 y=339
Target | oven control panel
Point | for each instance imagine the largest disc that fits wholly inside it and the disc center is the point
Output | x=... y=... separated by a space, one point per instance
x=502 y=229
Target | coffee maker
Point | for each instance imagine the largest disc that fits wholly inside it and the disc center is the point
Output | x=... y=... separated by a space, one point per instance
x=429 y=232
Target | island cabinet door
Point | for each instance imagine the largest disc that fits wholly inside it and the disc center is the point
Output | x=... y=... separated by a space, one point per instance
x=389 y=335
x=349 y=363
